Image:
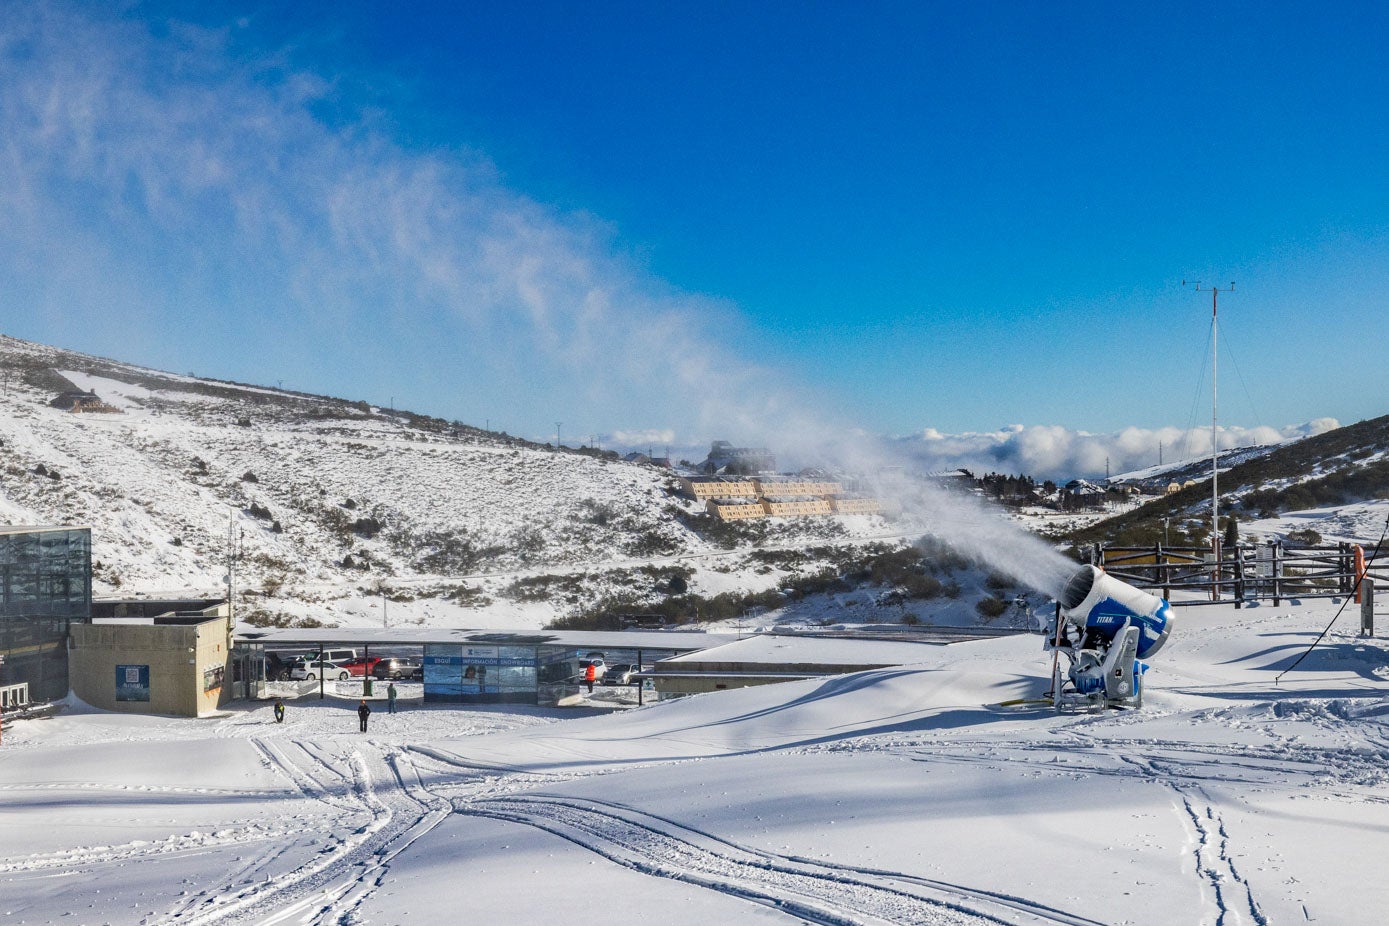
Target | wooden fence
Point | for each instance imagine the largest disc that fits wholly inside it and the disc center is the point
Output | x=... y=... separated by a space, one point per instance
x=1271 y=571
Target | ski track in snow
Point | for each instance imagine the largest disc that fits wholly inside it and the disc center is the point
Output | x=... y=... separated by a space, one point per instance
x=360 y=803
x=810 y=890
x=368 y=802
x=382 y=786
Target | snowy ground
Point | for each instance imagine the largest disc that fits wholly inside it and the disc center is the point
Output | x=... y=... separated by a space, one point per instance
x=896 y=796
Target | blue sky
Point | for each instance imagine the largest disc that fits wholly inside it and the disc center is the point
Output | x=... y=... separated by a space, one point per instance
x=956 y=217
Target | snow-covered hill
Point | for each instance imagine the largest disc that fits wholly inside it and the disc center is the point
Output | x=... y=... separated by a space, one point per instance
x=334 y=505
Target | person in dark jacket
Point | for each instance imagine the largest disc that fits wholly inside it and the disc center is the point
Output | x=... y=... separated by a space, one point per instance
x=363 y=712
x=279 y=711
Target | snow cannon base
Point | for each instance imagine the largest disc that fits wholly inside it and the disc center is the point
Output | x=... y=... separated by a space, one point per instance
x=1105 y=626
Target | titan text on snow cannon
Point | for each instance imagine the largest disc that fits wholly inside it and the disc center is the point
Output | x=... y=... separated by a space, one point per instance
x=1104 y=627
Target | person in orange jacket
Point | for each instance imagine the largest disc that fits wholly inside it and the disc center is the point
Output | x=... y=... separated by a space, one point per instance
x=590 y=675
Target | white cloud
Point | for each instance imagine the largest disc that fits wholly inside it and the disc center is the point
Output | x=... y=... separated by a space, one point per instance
x=1053 y=452
x=656 y=438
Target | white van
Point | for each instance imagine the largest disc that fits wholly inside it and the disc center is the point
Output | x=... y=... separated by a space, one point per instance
x=335 y=654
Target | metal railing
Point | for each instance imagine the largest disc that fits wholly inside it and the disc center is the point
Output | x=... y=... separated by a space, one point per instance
x=1271 y=571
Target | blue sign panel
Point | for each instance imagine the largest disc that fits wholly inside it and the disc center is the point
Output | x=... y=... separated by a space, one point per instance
x=132 y=683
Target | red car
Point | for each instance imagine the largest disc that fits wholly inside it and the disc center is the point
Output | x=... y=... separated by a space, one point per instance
x=361 y=666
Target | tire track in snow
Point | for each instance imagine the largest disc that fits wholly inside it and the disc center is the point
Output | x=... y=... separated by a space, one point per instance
x=814 y=891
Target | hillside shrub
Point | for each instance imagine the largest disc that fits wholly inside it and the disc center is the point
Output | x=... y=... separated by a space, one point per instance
x=991 y=608
x=366 y=528
x=998 y=582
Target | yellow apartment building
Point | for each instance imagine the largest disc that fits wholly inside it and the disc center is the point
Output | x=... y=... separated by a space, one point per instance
x=704 y=488
x=784 y=507
x=856 y=505
x=735 y=509
x=782 y=486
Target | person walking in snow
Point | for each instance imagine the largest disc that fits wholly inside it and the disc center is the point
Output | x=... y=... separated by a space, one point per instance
x=390 y=698
x=590 y=675
x=279 y=711
x=363 y=712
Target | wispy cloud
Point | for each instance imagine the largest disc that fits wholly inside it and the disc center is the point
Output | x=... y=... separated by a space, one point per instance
x=166 y=187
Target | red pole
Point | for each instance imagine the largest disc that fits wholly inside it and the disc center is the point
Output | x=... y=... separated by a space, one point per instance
x=1359 y=570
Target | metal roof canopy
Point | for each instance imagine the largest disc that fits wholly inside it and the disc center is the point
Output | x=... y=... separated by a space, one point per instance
x=682 y=641
x=41 y=528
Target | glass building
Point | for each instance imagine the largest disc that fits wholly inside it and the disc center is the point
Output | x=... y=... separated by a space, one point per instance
x=45 y=585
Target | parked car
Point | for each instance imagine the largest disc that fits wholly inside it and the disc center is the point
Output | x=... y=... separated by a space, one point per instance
x=620 y=673
x=398 y=668
x=313 y=670
x=361 y=667
x=600 y=668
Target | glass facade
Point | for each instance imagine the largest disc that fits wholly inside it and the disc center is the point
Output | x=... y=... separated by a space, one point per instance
x=479 y=674
x=45 y=585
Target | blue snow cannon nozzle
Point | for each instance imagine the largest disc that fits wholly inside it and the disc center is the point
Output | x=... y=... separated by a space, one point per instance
x=1104 y=604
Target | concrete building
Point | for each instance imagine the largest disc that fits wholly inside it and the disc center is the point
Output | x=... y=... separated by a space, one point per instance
x=45 y=589
x=724 y=458
x=178 y=664
x=78 y=400
x=767 y=658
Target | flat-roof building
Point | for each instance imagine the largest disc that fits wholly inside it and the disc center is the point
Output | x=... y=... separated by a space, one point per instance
x=45 y=588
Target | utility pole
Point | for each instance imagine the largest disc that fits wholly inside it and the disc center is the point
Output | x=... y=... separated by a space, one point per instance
x=233 y=551
x=557 y=426
x=1215 y=446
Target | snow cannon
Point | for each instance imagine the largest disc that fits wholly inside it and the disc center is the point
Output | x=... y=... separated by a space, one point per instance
x=1105 y=627
x=1099 y=603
